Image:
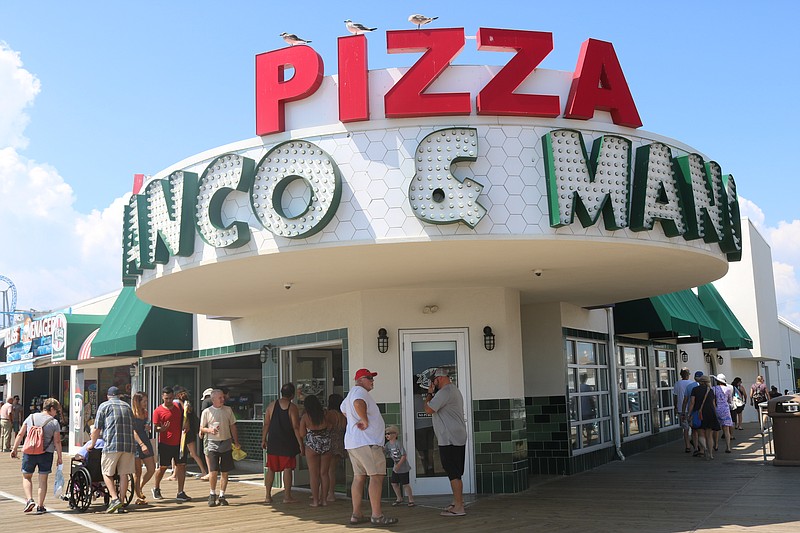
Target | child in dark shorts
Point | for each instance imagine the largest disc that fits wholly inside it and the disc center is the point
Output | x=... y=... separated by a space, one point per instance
x=400 y=469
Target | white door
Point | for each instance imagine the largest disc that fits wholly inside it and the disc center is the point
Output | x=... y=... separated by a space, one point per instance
x=423 y=352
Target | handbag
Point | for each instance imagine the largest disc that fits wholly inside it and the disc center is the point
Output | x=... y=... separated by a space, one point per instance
x=696 y=419
x=737 y=401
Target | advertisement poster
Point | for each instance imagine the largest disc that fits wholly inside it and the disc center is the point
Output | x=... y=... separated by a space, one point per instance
x=76 y=417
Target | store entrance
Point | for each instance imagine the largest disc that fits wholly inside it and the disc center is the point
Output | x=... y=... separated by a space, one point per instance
x=317 y=370
x=422 y=353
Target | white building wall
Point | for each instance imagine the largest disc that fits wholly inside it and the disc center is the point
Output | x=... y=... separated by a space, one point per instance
x=749 y=290
x=790 y=348
x=543 y=350
x=495 y=374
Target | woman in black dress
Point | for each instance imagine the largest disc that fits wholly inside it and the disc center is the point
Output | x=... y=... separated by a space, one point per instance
x=703 y=400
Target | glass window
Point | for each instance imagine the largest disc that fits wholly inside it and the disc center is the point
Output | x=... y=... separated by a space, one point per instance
x=634 y=403
x=587 y=389
x=667 y=373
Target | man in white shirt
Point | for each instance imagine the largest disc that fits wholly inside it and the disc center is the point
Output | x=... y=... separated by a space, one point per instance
x=679 y=394
x=363 y=440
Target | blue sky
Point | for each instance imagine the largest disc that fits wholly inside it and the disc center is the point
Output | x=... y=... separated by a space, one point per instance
x=114 y=89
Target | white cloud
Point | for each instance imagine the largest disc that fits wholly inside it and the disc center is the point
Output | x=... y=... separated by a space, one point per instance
x=55 y=255
x=752 y=211
x=19 y=88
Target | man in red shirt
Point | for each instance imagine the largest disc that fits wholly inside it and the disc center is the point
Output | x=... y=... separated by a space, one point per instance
x=168 y=422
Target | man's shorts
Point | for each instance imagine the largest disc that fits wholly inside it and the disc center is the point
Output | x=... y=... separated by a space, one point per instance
x=167 y=453
x=279 y=463
x=368 y=461
x=42 y=461
x=220 y=461
x=452 y=458
x=122 y=463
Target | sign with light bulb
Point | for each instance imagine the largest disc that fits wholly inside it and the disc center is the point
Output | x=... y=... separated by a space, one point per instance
x=490 y=152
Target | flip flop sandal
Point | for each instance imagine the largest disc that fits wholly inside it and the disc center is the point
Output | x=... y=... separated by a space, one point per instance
x=358 y=519
x=383 y=520
x=395 y=504
x=450 y=512
x=412 y=504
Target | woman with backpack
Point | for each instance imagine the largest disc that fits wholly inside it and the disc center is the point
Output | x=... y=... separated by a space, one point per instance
x=42 y=434
x=758 y=395
x=738 y=402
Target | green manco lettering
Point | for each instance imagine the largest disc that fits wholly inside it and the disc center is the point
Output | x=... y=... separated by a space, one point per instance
x=688 y=196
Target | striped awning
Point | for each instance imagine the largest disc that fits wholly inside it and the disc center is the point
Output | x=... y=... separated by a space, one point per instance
x=85 y=352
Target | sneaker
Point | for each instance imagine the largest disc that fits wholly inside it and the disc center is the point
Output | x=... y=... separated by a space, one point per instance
x=182 y=497
x=40 y=510
x=157 y=494
x=212 y=500
x=113 y=505
x=223 y=501
x=30 y=506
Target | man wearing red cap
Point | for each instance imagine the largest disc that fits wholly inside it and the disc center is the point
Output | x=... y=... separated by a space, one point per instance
x=363 y=440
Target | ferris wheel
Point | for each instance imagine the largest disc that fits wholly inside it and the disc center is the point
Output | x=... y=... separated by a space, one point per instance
x=8 y=301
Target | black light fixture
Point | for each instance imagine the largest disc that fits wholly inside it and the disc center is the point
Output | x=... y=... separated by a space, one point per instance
x=132 y=369
x=708 y=356
x=383 y=341
x=488 y=339
x=720 y=360
x=265 y=352
x=684 y=356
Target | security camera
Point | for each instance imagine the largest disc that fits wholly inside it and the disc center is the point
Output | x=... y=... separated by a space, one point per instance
x=287 y=286
x=538 y=272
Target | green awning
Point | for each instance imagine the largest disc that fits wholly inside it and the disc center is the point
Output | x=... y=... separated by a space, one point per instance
x=132 y=326
x=674 y=314
x=78 y=328
x=734 y=336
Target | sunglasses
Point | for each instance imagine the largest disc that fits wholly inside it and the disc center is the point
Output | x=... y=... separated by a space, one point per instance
x=388 y=434
x=369 y=378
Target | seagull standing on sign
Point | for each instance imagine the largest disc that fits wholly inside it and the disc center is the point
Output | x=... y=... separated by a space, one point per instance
x=357 y=29
x=421 y=20
x=292 y=39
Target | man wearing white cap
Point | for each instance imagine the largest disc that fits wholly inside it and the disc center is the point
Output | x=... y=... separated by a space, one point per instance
x=205 y=403
x=363 y=439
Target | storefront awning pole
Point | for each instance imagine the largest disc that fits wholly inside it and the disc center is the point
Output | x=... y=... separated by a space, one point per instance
x=612 y=364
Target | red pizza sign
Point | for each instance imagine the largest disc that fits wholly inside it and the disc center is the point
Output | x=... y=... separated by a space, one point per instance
x=598 y=82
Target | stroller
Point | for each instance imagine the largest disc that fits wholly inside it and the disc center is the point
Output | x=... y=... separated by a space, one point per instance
x=86 y=483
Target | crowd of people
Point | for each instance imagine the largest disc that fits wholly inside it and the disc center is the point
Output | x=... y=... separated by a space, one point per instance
x=350 y=427
x=711 y=409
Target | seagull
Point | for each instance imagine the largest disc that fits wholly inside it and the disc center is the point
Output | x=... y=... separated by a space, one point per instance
x=292 y=39
x=355 y=28
x=420 y=20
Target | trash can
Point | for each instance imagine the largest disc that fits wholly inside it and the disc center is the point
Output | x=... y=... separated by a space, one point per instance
x=785 y=414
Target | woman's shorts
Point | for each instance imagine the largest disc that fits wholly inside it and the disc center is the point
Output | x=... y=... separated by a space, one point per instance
x=42 y=461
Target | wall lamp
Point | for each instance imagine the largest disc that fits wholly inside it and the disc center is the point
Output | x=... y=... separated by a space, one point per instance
x=708 y=356
x=488 y=339
x=132 y=369
x=266 y=352
x=684 y=356
x=720 y=360
x=383 y=341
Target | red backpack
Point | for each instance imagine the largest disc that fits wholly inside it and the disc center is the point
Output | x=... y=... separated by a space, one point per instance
x=34 y=438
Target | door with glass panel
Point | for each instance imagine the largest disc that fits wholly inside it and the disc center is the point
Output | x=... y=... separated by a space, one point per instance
x=310 y=369
x=423 y=351
x=634 y=392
